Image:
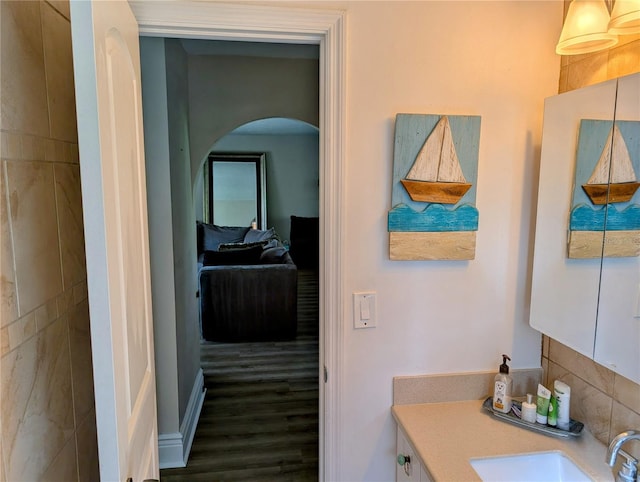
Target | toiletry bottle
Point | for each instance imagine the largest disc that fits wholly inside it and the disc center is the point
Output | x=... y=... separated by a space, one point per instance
x=542 y=404
x=529 y=409
x=502 y=388
x=552 y=414
x=562 y=392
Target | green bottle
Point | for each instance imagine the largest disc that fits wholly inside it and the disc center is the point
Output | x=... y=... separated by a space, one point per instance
x=552 y=416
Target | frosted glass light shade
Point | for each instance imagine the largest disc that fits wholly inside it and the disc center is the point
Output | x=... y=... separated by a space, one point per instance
x=625 y=17
x=585 y=28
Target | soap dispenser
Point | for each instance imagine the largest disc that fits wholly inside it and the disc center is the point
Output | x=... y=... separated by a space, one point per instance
x=502 y=388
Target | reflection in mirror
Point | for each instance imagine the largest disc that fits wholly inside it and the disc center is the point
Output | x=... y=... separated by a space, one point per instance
x=236 y=189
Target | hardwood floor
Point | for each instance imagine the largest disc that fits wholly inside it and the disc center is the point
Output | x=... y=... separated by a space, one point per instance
x=259 y=421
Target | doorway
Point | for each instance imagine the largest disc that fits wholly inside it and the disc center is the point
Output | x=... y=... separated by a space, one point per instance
x=325 y=28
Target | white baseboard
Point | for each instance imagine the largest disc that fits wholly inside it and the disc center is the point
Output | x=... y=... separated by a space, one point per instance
x=174 y=448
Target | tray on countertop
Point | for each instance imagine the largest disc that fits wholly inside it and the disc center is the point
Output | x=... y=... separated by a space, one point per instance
x=575 y=427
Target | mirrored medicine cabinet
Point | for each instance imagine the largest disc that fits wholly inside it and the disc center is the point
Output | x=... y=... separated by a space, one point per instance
x=586 y=269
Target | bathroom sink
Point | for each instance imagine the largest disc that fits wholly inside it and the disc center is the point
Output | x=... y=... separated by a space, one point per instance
x=547 y=466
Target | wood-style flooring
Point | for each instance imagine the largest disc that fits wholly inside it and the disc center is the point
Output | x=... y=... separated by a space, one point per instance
x=259 y=421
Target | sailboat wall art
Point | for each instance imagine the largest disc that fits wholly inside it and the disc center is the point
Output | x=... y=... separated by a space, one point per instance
x=435 y=167
x=605 y=205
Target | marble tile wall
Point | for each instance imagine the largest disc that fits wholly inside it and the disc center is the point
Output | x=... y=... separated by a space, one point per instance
x=606 y=402
x=46 y=381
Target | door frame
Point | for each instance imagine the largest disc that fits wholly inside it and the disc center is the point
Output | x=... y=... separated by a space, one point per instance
x=326 y=28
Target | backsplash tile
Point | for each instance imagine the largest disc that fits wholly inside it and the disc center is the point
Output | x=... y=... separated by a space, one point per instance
x=627 y=393
x=623 y=419
x=453 y=387
x=585 y=368
x=588 y=404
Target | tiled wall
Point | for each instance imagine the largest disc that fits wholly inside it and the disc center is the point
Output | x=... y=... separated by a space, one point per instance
x=47 y=400
x=606 y=402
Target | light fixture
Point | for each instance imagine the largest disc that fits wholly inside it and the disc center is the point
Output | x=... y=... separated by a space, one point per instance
x=625 y=17
x=585 y=28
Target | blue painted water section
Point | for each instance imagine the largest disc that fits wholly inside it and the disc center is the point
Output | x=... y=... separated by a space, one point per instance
x=585 y=218
x=434 y=218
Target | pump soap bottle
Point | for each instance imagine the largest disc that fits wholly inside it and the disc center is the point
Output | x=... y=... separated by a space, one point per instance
x=502 y=388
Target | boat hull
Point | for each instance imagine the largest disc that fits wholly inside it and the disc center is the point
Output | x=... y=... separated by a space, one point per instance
x=435 y=192
x=617 y=192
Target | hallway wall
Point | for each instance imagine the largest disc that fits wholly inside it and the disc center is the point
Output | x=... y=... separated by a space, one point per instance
x=48 y=413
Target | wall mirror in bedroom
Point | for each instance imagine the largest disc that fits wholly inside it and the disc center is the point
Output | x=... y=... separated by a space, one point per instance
x=235 y=189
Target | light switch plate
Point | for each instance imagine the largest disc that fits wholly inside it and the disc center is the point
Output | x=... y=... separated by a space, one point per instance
x=364 y=309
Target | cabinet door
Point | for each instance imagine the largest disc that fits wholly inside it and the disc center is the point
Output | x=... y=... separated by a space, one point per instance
x=411 y=470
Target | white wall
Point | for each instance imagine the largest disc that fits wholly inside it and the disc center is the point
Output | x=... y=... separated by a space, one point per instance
x=292 y=173
x=493 y=59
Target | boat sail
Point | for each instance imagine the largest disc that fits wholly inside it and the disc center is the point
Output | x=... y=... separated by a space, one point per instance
x=436 y=175
x=613 y=179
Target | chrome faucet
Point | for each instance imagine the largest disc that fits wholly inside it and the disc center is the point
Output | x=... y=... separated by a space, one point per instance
x=629 y=470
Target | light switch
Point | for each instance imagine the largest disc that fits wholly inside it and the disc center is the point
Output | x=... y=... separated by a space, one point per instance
x=365 y=312
x=364 y=309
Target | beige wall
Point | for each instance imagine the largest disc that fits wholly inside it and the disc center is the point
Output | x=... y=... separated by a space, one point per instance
x=48 y=416
x=606 y=402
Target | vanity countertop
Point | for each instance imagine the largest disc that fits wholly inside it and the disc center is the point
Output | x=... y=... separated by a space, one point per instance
x=446 y=436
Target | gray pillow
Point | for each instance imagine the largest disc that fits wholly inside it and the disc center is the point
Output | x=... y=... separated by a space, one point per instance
x=254 y=235
x=214 y=235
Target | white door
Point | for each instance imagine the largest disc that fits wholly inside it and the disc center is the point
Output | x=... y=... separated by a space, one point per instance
x=107 y=80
